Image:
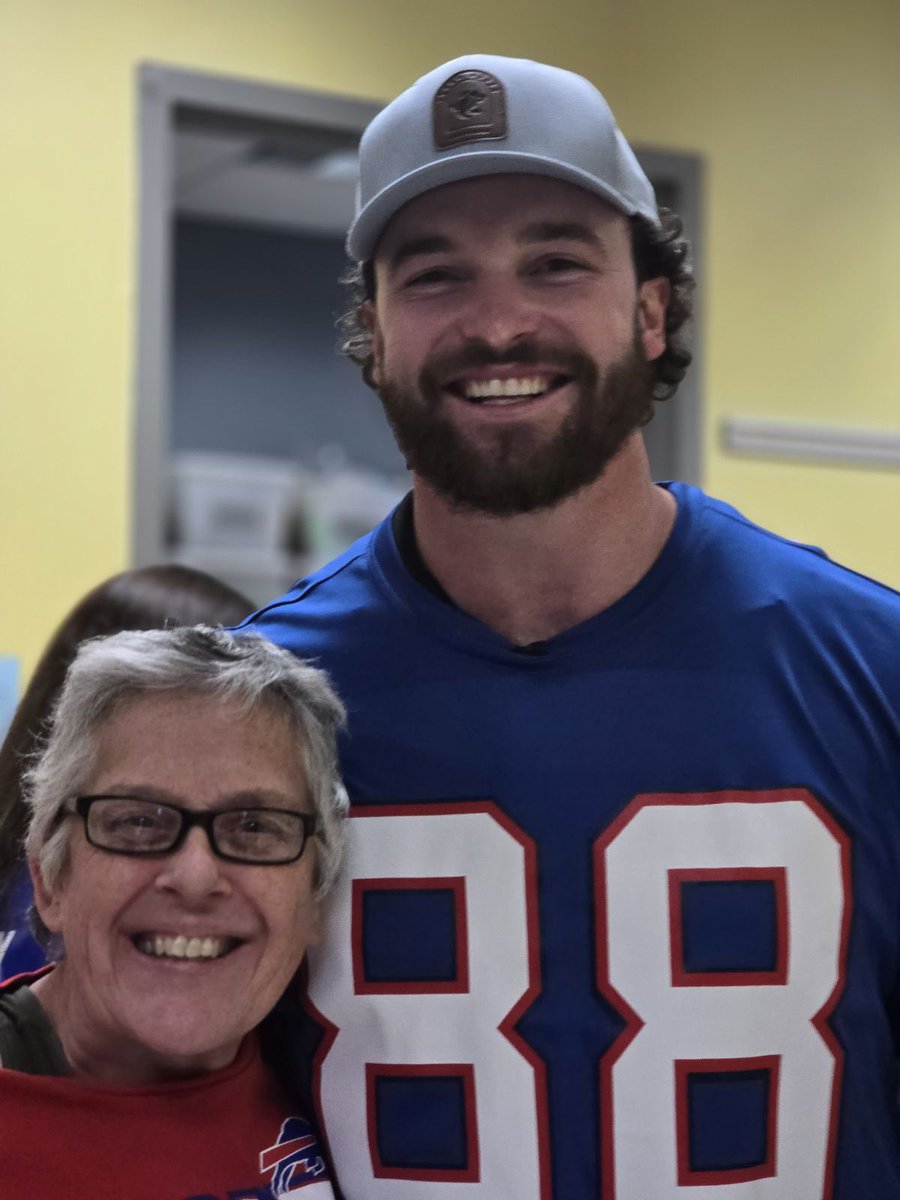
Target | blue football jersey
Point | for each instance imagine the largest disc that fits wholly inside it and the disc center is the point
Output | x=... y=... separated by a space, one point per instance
x=19 y=951
x=621 y=912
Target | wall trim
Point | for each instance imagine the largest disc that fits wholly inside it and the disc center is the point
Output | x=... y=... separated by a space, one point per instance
x=811 y=442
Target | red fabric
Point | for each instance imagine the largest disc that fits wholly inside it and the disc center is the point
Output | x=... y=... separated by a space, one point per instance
x=197 y=1139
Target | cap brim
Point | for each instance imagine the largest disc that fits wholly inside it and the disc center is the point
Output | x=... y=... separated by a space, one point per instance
x=366 y=230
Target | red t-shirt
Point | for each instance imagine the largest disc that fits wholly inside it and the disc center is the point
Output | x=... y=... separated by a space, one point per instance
x=227 y=1135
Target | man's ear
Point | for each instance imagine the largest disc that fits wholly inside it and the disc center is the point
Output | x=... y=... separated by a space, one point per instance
x=374 y=374
x=653 y=300
x=48 y=903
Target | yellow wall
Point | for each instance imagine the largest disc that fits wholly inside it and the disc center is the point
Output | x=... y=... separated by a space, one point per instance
x=792 y=104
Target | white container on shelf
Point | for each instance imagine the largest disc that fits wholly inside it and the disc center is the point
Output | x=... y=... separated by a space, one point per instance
x=343 y=503
x=231 y=500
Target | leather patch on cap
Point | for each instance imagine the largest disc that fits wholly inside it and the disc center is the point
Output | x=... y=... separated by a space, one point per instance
x=469 y=107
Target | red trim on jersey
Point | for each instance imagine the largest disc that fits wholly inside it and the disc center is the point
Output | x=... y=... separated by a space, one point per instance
x=464 y=1071
x=410 y=987
x=684 y=1068
x=821 y=1020
x=681 y=977
x=634 y=1024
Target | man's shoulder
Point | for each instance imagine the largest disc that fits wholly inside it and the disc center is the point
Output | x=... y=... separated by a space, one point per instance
x=774 y=564
x=340 y=602
x=326 y=581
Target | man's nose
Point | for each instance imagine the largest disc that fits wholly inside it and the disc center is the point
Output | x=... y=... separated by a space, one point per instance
x=498 y=312
x=194 y=871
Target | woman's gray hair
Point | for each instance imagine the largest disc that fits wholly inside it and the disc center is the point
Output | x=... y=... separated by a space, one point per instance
x=109 y=671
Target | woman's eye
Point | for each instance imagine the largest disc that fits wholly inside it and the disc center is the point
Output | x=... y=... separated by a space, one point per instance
x=255 y=825
x=247 y=824
x=130 y=827
x=143 y=822
x=135 y=821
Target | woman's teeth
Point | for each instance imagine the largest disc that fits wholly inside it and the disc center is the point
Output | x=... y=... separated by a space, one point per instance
x=489 y=389
x=159 y=946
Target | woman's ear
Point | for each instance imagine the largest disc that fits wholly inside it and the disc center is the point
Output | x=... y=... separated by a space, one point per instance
x=46 y=902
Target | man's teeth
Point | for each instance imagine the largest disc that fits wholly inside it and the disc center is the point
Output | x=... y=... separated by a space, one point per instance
x=487 y=389
x=181 y=946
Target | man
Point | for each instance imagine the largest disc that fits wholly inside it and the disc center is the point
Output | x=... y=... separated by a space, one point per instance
x=620 y=917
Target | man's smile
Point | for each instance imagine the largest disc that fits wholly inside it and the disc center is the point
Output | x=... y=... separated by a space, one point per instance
x=515 y=387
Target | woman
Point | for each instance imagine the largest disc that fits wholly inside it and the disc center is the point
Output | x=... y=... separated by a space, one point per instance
x=185 y=820
x=144 y=598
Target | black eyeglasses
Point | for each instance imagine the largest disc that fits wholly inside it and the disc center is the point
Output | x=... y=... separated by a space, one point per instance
x=266 y=837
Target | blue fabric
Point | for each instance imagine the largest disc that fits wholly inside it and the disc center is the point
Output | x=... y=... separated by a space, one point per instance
x=729 y=927
x=421 y=1122
x=428 y=947
x=18 y=950
x=728 y=1120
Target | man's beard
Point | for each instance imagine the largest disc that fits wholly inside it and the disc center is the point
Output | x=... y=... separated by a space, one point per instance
x=514 y=468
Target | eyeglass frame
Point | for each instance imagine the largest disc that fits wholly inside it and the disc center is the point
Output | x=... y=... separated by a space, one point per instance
x=205 y=818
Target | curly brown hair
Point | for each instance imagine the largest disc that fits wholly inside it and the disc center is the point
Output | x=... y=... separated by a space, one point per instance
x=657 y=252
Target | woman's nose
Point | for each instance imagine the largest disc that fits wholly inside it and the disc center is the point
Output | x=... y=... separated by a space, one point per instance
x=194 y=870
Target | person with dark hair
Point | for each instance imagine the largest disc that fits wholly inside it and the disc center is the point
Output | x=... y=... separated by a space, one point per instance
x=143 y=598
x=619 y=918
x=185 y=820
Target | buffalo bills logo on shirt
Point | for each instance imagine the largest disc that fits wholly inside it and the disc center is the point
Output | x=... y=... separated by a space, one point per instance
x=294 y=1160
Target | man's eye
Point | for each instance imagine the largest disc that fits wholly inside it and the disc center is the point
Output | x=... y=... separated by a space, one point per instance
x=558 y=264
x=434 y=276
